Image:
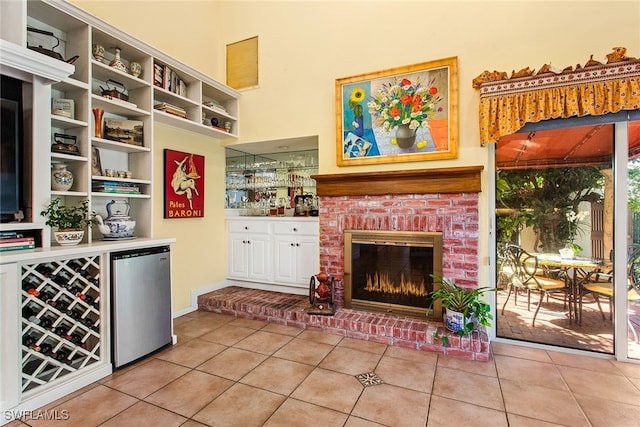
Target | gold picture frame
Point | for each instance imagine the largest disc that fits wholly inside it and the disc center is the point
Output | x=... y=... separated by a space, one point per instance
x=402 y=114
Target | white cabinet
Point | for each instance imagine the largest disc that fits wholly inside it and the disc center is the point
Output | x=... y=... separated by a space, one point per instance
x=250 y=253
x=9 y=336
x=296 y=256
x=277 y=251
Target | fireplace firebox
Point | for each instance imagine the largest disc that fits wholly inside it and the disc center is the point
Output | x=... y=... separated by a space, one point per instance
x=390 y=271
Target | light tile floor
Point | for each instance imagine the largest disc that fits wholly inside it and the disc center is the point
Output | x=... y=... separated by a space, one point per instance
x=237 y=372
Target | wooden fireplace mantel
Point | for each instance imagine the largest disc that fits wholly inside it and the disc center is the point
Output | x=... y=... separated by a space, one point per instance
x=465 y=179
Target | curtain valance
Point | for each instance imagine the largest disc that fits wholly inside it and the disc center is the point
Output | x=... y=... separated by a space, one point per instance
x=507 y=105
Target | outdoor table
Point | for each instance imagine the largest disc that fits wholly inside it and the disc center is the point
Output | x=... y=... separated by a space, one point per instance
x=582 y=270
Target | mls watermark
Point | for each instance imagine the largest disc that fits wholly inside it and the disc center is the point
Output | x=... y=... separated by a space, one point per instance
x=38 y=414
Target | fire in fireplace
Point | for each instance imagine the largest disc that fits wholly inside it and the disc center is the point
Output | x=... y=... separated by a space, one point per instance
x=390 y=271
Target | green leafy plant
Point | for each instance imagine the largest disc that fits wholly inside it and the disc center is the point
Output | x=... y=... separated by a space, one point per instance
x=443 y=338
x=68 y=217
x=467 y=301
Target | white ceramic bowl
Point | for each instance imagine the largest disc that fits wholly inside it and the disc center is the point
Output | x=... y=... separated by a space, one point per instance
x=68 y=238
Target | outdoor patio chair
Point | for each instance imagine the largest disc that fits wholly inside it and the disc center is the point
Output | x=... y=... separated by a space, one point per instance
x=602 y=286
x=521 y=271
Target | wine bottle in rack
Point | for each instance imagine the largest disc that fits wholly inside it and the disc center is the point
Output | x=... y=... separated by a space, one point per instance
x=45 y=269
x=30 y=285
x=76 y=265
x=59 y=330
x=30 y=341
x=45 y=322
x=77 y=340
x=29 y=314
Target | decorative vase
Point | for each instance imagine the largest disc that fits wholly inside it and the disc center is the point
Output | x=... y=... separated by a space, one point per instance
x=453 y=320
x=98 y=113
x=135 y=68
x=61 y=178
x=117 y=62
x=98 y=52
x=68 y=237
x=405 y=136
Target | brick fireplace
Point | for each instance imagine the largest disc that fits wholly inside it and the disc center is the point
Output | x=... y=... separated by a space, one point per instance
x=429 y=200
x=432 y=200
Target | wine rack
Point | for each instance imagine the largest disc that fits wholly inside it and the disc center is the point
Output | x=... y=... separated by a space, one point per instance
x=60 y=318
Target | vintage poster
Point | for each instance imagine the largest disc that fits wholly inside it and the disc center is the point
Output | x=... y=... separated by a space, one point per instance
x=183 y=185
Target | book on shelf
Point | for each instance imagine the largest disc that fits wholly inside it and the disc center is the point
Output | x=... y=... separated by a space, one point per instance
x=158 y=75
x=15 y=243
x=116 y=187
x=168 y=79
x=171 y=109
x=17 y=248
x=10 y=234
x=216 y=106
x=6 y=240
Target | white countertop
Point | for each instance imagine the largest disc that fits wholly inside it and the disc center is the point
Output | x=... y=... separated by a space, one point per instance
x=99 y=246
x=271 y=218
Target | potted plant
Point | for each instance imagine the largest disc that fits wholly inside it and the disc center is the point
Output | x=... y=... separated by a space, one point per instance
x=464 y=307
x=70 y=221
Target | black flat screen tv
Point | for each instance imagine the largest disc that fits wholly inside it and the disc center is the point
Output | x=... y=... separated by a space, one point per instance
x=11 y=130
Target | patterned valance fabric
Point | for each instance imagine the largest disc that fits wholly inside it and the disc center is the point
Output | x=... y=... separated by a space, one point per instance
x=507 y=105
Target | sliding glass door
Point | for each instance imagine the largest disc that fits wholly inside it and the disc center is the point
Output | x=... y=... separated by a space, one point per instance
x=567 y=195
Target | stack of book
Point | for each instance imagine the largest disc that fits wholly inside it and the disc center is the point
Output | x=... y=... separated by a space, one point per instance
x=168 y=79
x=14 y=241
x=115 y=187
x=171 y=109
x=216 y=106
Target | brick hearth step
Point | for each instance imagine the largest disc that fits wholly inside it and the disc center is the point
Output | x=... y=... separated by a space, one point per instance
x=290 y=310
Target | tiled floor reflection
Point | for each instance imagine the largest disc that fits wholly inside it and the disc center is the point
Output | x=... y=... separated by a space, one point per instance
x=237 y=372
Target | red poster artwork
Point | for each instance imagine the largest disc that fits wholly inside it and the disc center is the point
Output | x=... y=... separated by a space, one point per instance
x=183 y=185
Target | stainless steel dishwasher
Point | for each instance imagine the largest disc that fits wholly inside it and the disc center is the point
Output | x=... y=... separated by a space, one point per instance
x=141 y=303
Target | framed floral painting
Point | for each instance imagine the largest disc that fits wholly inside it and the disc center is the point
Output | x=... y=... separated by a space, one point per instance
x=403 y=114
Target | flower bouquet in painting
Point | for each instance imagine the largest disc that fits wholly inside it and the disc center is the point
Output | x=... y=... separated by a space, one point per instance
x=398 y=115
x=405 y=106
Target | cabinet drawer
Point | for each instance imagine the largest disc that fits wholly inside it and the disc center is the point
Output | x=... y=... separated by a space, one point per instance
x=248 y=226
x=291 y=227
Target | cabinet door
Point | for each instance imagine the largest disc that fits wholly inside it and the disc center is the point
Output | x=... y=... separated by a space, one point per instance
x=259 y=256
x=307 y=259
x=237 y=257
x=285 y=259
x=9 y=337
